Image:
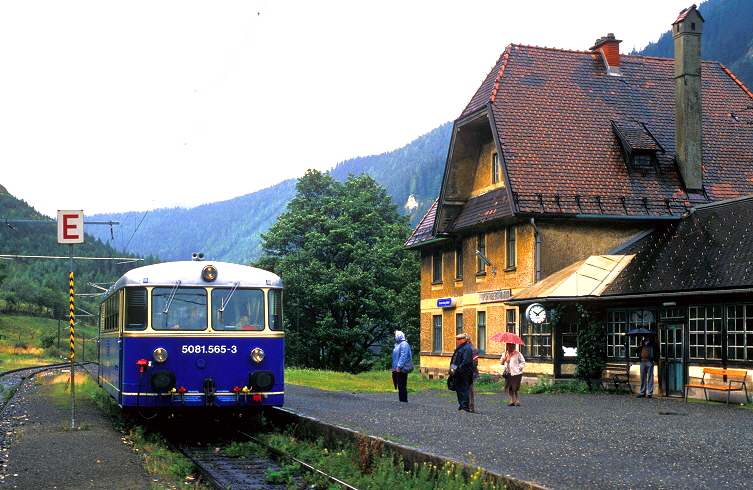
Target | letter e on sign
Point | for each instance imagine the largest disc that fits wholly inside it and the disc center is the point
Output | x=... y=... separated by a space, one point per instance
x=70 y=226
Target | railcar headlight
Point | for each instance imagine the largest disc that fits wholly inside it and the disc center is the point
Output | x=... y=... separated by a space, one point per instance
x=159 y=355
x=257 y=355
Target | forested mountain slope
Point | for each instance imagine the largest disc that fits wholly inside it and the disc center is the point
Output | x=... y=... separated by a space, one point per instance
x=727 y=37
x=39 y=285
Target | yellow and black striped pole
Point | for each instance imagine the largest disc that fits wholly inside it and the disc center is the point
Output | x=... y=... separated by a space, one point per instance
x=72 y=317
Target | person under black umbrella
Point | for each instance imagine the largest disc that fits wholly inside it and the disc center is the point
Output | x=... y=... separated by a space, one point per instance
x=648 y=353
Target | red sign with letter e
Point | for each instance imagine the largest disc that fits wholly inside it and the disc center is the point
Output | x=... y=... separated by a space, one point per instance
x=70 y=227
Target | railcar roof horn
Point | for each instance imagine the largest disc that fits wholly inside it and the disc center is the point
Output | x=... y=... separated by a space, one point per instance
x=197 y=256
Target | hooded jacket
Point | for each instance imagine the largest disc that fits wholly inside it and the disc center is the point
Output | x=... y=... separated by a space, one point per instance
x=401 y=353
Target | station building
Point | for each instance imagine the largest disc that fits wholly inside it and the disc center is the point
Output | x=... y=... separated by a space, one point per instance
x=560 y=163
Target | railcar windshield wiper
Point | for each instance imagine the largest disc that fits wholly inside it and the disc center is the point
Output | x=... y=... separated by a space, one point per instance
x=226 y=299
x=170 y=299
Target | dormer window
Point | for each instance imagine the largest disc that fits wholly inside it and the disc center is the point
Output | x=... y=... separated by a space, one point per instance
x=495 y=169
x=642 y=160
x=638 y=145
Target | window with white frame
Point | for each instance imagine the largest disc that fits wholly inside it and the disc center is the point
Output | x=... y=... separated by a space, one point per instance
x=616 y=330
x=537 y=338
x=740 y=332
x=705 y=332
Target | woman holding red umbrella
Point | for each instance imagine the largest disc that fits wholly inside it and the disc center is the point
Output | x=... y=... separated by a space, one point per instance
x=514 y=363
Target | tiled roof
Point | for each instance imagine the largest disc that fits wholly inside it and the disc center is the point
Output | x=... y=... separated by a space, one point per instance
x=685 y=13
x=553 y=112
x=710 y=249
x=636 y=135
x=486 y=207
x=423 y=232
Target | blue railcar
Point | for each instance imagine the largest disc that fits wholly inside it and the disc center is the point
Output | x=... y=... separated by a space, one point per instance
x=193 y=334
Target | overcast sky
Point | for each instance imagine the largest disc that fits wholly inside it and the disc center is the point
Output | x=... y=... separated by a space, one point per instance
x=121 y=106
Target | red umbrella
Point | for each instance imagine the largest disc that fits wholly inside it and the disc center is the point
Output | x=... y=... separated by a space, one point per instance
x=507 y=337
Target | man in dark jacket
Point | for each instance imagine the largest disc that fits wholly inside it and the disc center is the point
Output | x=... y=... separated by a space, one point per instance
x=648 y=353
x=462 y=360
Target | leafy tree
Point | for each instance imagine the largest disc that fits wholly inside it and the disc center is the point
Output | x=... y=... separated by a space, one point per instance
x=349 y=283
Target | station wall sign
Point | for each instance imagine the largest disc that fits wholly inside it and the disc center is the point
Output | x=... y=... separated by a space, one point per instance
x=446 y=303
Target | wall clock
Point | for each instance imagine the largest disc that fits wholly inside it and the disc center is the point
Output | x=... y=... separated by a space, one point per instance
x=536 y=313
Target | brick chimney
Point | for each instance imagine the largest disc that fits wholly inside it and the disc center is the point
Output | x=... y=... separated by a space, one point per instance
x=686 y=31
x=609 y=47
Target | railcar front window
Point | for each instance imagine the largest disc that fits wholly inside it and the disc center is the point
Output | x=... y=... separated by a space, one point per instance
x=187 y=309
x=241 y=310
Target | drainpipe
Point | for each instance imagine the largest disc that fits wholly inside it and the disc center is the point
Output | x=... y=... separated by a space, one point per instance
x=537 y=250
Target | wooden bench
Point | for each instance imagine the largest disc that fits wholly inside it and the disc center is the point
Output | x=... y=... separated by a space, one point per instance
x=736 y=376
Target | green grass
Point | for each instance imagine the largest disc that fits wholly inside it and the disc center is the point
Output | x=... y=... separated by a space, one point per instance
x=22 y=340
x=371 y=382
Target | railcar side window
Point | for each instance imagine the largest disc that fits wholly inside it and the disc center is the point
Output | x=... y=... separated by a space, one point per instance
x=275 y=309
x=179 y=308
x=136 y=311
x=241 y=309
x=109 y=314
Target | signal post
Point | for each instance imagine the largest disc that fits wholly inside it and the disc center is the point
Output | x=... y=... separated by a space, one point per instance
x=71 y=231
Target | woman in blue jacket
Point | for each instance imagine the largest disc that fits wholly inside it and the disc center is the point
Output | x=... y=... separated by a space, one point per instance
x=402 y=364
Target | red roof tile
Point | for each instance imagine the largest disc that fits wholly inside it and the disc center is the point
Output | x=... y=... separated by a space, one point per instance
x=553 y=111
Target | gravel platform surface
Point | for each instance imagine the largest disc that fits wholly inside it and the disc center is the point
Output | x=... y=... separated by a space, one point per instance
x=40 y=450
x=559 y=441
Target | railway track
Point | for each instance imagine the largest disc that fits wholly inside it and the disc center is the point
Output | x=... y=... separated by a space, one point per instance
x=216 y=468
x=15 y=380
x=227 y=472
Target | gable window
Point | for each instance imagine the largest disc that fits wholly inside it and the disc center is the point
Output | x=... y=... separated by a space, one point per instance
x=436 y=275
x=638 y=146
x=481 y=247
x=481 y=332
x=511 y=259
x=642 y=160
x=495 y=169
x=437 y=334
x=458 y=323
x=459 y=261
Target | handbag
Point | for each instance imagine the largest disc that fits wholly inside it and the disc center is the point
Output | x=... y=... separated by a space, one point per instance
x=407 y=367
x=505 y=373
x=451 y=382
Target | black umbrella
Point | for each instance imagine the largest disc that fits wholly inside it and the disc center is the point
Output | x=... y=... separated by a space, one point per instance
x=641 y=331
